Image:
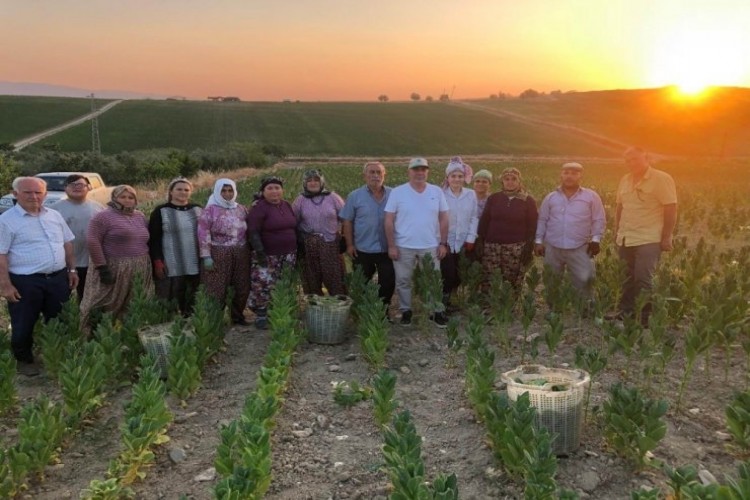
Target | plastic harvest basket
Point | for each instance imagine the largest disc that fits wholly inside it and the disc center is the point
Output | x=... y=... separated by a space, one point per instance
x=559 y=402
x=326 y=317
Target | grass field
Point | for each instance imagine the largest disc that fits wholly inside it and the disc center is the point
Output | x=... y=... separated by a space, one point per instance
x=22 y=116
x=716 y=125
x=321 y=129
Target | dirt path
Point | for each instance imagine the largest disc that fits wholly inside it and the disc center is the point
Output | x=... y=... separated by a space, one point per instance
x=27 y=141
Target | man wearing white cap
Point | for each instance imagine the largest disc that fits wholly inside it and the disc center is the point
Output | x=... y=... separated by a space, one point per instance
x=416 y=223
x=570 y=228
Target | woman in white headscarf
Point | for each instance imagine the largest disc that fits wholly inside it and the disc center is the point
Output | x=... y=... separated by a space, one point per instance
x=223 y=248
x=462 y=222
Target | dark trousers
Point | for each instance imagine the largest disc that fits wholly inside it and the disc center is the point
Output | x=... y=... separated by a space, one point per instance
x=82 y=272
x=449 y=271
x=180 y=290
x=640 y=262
x=380 y=262
x=39 y=294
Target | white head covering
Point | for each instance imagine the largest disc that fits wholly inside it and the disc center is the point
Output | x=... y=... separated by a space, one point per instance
x=455 y=164
x=216 y=198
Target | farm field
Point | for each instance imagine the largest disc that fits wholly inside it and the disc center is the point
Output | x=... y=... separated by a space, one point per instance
x=23 y=116
x=320 y=449
x=715 y=125
x=320 y=129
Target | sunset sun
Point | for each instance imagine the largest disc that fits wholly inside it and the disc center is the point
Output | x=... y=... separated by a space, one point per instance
x=693 y=60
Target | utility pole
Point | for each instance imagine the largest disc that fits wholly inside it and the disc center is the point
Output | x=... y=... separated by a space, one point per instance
x=96 y=145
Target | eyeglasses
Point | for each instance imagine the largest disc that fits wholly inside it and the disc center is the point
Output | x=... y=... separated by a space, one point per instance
x=78 y=185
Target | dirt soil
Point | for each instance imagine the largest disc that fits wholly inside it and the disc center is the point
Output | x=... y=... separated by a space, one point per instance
x=341 y=456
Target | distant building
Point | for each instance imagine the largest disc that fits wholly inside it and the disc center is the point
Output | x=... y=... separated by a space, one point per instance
x=231 y=99
x=219 y=98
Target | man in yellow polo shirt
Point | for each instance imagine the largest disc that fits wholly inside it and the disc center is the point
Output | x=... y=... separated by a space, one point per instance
x=644 y=223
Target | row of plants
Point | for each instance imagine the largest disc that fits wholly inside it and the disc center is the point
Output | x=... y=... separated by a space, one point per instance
x=243 y=457
x=192 y=343
x=371 y=317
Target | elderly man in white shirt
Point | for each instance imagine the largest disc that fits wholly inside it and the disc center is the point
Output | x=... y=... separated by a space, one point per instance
x=570 y=228
x=462 y=223
x=37 y=265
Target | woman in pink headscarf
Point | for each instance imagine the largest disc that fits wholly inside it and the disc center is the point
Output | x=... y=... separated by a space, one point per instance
x=462 y=222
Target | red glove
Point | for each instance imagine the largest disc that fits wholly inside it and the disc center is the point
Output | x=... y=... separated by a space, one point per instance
x=469 y=247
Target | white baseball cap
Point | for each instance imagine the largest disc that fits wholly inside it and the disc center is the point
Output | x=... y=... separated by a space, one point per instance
x=418 y=162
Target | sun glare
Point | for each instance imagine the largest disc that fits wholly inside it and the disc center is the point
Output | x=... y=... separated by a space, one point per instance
x=694 y=60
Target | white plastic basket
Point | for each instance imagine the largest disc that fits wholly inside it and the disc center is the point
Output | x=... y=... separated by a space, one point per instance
x=558 y=402
x=326 y=318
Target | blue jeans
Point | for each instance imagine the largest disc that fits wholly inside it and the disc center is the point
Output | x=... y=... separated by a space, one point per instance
x=40 y=293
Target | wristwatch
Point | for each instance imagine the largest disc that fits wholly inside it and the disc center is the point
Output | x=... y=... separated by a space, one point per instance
x=444 y=244
x=74 y=270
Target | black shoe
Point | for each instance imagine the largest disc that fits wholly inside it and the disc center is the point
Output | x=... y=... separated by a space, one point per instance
x=30 y=369
x=406 y=318
x=261 y=322
x=241 y=322
x=440 y=320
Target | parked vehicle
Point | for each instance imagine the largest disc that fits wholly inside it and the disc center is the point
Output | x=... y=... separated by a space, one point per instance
x=56 y=189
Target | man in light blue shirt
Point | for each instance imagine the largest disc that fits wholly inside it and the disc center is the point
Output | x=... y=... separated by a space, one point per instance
x=37 y=265
x=363 y=218
x=570 y=228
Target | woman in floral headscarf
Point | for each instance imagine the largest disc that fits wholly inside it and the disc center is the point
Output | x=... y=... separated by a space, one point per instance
x=462 y=222
x=118 y=247
x=507 y=229
x=317 y=211
x=224 y=252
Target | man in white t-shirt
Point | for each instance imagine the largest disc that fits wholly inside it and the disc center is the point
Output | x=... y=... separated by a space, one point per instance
x=416 y=223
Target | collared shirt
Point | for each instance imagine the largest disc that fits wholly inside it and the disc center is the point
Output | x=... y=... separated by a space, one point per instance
x=642 y=217
x=571 y=222
x=367 y=215
x=462 y=218
x=34 y=243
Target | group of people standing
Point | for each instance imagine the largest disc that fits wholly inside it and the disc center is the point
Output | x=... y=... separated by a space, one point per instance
x=99 y=251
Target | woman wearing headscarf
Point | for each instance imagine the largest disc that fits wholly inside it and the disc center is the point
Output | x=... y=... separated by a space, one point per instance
x=117 y=240
x=482 y=186
x=173 y=246
x=317 y=211
x=272 y=230
x=223 y=249
x=507 y=229
x=462 y=222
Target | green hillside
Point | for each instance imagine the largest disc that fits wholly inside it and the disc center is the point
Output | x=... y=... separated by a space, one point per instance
x=324 y=129
x=716 y=124
x=21 y=116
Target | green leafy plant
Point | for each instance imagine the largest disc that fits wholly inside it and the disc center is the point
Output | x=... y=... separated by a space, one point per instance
x=541 y=466
x=553 y=335
x=108 y=489
x=479 y=372
x=8 y=391
x=40 y=432
x=109 y=338
x=244 y=460
x=738 y=420
x=403 y=457
x=372 y=326
x=455 y=342
x=383 y=394
x=183 y=370
x=633 y=424
x=207 y=325
x=348 y=394
x=592 y=361
x=528 y=308
x=696 y=343
x=427 y=291
x=680 y=479
x=53 y=339
x=501 y=301
x=83 y=380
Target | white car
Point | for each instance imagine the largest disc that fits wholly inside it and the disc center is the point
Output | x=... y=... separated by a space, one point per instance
x=56 y=189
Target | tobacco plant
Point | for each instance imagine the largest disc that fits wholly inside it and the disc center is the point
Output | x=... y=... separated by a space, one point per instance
x=528 y=309
x=109 y=489
x=53 y=339
x=593 y=361
x=502 y=300
x=83 y=378
x=146 y=420
x=243 y=459
x=696 y=343
x=738 y=420
x=541 y=466
x=109 y=338
x=633 y=424
x=356 y=283
x=372 y=326
x=8 y=391
x=455 y=342
x=207 y=325
x=471 y=274
x=383 y=394
x=40 y=432
x=427 y=289
x=480 y=372
x=348 y=394
x=183 y=370
x=554 y=332
x=403 y=458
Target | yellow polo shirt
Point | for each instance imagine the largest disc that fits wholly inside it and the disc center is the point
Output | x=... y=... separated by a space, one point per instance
x=642 y=218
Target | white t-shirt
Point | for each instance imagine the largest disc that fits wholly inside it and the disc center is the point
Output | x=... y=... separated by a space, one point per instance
x=416 y=223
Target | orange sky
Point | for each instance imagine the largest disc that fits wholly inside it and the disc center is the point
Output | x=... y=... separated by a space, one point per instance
x=356 y=50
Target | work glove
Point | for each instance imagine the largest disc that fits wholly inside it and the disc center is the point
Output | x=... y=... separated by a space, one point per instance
x=257 y=243
x=105 y=275
x=593 y=249
x=208 y=263
x=160 y=270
